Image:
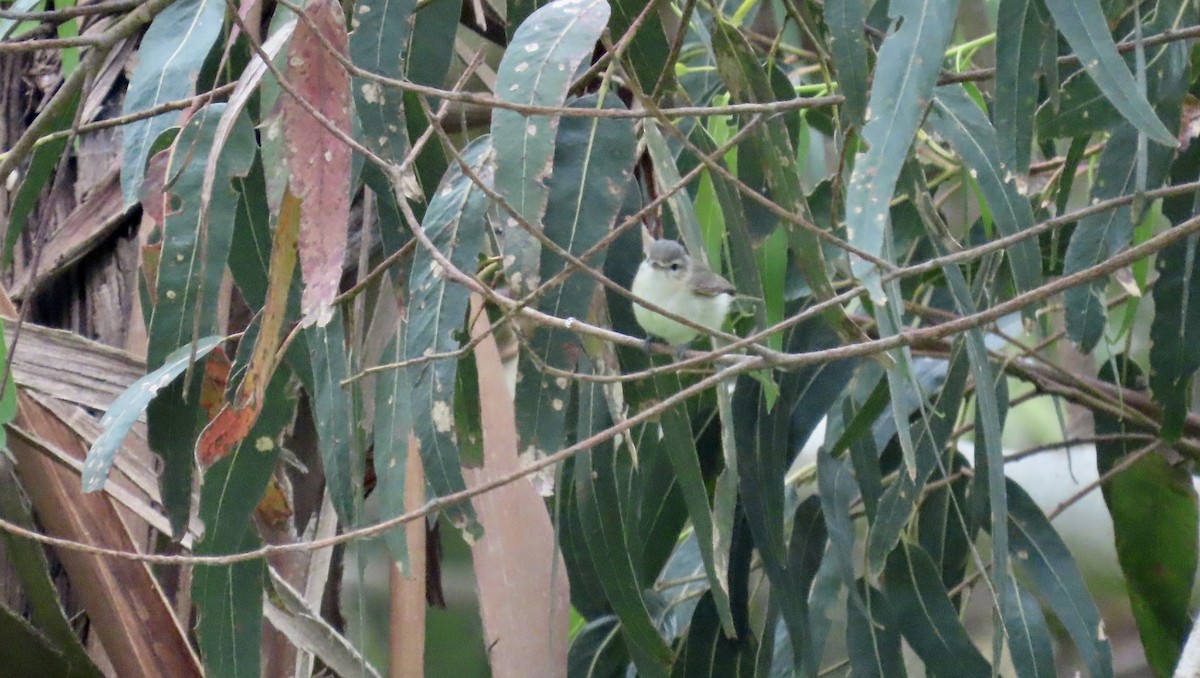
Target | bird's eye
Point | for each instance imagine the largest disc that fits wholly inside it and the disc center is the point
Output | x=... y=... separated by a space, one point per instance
x=674 y=265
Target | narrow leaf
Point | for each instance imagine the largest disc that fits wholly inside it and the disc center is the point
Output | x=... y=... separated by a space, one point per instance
x=128 y=408
x=1083 y=24
x=537 y=68
x=872 y=635
x=455 y=225
x=234 y=420
x=926 y=616
x=600 y=513
x=1037 y=549
x=1020 y=32
x=593 y=164
x=906 y=72
x=956 y=117
x=333 y=410
x=1176 y=327
x=1028 y=635
x=319 y=162
x=169 y=58
x=1153 y=506
x=393 y=426
x=379 y=44
x=1098 y=237
x=847 y=40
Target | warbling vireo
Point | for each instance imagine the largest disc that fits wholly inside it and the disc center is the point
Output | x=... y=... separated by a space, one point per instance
x=674 y=281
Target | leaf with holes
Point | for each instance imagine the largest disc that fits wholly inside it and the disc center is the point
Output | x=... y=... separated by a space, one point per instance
x=230 y=597
x=379 y=44
x=234 y=420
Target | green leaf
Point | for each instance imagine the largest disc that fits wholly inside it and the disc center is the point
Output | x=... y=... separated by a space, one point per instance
x=250 y=248
x=1081 y=109
x=907 y=69
x=29 y=652
x=845 y=19
x=708 y=652
x=128 y=407
x=334 y=411
x=379 y=44
x=593 y=165
x=597 y=652
x=652 y=490
x=1098 y=237
x=1038 y=550
x=873 y=642
x=537 y=68
x=1020 y=32
x=1176 y=325
x=679 y=446
x=1028 y=635
x=898 y=502
x=393 y=423
x=838 y=491
x=169 y=57
x=1155 y=520
x=1083 y=24
x=7 y=24
x=8 y=392
x=28 y=561
x=956 y=117
x=601 y=515
x=764 y=449
x=667 y=176
x=989 y=480
x=229 y=597
x=769 y=150
x=587 y=593
x=806 y=548
x=455 y=224
x=195 y=249
x=647 y=52
x=941 y=518
x=926 y=616
x=433 y=38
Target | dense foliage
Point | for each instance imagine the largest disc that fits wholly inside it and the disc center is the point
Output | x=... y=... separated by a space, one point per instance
x=359 y=221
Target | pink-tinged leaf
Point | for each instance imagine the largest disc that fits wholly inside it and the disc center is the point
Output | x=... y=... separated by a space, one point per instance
x=318 y=160
x=524 y=596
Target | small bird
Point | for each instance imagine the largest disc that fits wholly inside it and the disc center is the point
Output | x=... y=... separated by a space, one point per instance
x=674 y=281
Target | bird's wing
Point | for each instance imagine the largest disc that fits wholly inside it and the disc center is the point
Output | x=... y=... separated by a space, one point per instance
x=710 y=284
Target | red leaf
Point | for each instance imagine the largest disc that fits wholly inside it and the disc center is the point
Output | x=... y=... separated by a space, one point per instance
x=318 y=160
